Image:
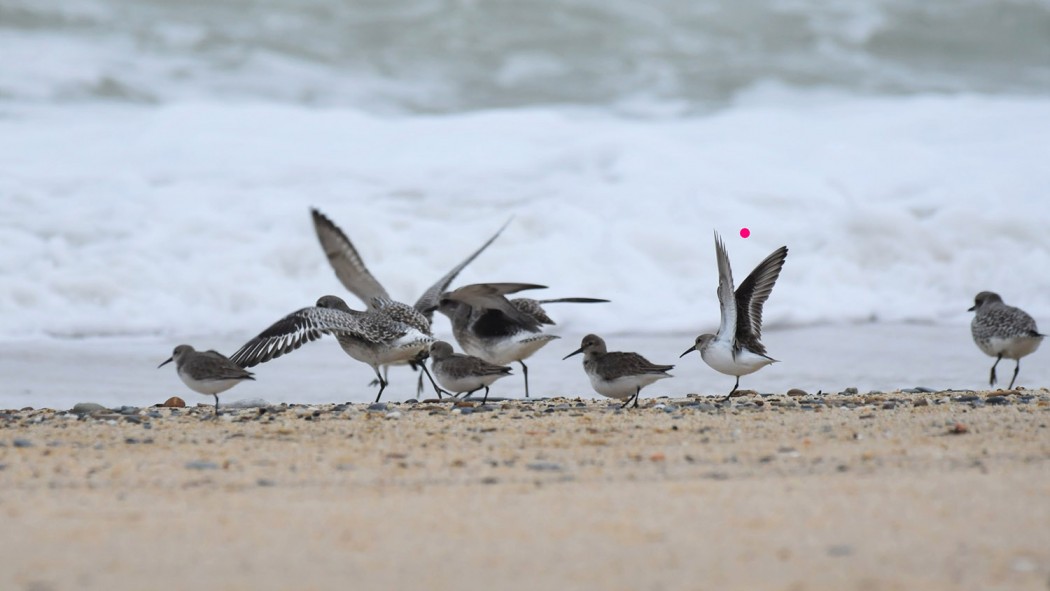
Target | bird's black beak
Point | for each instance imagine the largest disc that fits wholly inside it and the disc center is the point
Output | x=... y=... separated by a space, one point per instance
x=687 y=351
x=972 y=308
x=170 y=359
x=576 y=352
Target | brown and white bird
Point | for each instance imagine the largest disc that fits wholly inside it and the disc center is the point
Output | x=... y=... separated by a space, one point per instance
x=460 y=373
x=206 y=372
x=499 y=330
x=737 y=349
x=616 y=374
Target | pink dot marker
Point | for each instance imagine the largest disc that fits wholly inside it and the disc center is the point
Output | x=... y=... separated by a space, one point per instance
x=744 y=232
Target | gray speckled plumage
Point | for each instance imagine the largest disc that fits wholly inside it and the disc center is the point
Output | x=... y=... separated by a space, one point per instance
x=616 y=374
x=207 y=372
x=1002 y=331
x=376 y=337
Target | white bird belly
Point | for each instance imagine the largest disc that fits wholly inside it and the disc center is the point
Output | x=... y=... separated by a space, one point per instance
x=1012 y=348
x=625 y=387
x=720 y=358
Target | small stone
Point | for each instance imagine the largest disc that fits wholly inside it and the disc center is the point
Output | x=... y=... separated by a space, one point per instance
x=129 y=410
x=201 y=465
x=851 y=391
x=83 y=408
x=971 y=398
x=889 y=405
x=466 y=410
x=377 y=406
x=797 y=392
x=544 y=467
x=840 y=550
x=996 y=400
x=22 y=443
x=174 y=402
x=489 y=480
x=393 y=415
x=265 y=482
x=958 y=429
x=921 y=402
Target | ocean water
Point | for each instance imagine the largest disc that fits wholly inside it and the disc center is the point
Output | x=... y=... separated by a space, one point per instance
x=158 y=159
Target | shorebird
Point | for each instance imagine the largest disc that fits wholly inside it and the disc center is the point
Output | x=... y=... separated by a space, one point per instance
x=617 y=375
x=460 y=373
x=388 y=333
x=488 y=325
x=737 y=350
x=355 y=276
x=207 y=372
x=1003 y=331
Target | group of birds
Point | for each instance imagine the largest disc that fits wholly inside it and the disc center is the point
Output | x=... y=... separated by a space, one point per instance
x=494 y=331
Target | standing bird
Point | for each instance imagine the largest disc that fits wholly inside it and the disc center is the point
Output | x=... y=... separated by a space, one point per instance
x=463 y=373
x=207 y=372
x=1003 y=331
x=388 y=333
x=355 y=276
x=488 y=325
x=617 y=375
x=736 y=350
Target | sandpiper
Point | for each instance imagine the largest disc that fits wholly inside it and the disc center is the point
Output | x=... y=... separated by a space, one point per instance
x=737 y=350
x=488 y=325
x=617 y=375
x=377 y=337
x=1003 y=331
x=355 y=276
x=207 y=372
x=460 y=373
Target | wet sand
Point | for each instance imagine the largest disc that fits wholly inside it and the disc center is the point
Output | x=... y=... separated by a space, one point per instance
x=900 y=490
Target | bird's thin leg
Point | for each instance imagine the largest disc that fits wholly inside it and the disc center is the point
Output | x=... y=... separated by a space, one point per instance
x=217 y=405
x=486 y=398
x=525 y=373
x=1017 y=368
x=382 y=384
x=379 y=380
x=735 y=386
x=437 y=390
x=634 y=398
x=637 y=394
x=991 y=380
x=468 y=394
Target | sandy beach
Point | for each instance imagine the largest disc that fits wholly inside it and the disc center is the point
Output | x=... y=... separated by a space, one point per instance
x=938 y=490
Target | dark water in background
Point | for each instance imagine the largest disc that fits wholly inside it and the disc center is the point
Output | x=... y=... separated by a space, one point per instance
x=450 y=56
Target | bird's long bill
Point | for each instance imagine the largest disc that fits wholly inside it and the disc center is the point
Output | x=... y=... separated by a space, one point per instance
x=687 y=351
x=576 y=352
x=971 y=308
x=170 y=359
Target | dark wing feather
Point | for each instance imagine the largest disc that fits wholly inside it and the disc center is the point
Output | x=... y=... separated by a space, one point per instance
x=752 y=295
x=293 y=331
x=345 y=260
x=428 y=302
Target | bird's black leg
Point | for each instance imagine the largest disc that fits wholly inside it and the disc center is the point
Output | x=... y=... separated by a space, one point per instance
x=469 y=394
x=637 y=394
x=379 y=380
x=217 y=404
x=437 y=390
x=486 y=399
x=525 y=372
x=1017 y=368
x=735 y=386
x=991 y=380
x=382 y=384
